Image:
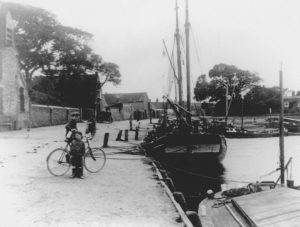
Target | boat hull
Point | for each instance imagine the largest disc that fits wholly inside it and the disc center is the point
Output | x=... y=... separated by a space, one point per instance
x=191 y=146
x=249 y=135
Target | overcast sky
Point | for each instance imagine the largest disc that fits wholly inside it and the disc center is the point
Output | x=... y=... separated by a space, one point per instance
x=254 y=35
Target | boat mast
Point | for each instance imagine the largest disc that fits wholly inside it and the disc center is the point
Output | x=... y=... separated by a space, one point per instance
x=177 y=37
x=281 y=128
x=187 y=35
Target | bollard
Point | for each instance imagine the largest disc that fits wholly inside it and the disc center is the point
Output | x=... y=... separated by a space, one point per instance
x=119 y=135
x=105 y=141
x=137 y=133
x=194 y=218
x=126 y=135
x=210 y=194
x=290 y=183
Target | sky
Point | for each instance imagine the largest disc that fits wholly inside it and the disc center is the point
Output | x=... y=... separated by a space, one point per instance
x=254 y=35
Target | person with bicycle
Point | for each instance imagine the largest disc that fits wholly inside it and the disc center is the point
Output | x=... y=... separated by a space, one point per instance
x=72 y=124
x=77 y=150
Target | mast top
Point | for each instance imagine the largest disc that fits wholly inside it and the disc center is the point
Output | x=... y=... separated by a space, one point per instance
x=187 y=23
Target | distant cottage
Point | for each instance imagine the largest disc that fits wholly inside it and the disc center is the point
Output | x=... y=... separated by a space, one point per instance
x=292 y=104
x=122 y=105
x=14 y=99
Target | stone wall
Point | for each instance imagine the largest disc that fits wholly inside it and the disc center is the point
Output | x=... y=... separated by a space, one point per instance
x=50 y=115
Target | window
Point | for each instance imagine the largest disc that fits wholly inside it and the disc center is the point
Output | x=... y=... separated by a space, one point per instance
x=1 y=100
x=22 y=100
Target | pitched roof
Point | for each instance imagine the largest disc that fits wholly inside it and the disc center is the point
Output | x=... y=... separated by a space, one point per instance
x=290 y=98
x=139 y=97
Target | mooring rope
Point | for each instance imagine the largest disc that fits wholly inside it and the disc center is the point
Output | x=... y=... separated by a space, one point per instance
x=207 y=177
x=126 y=159
x=270 y=173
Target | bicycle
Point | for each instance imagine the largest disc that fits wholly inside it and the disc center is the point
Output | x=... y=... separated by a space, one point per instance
x=58 y=160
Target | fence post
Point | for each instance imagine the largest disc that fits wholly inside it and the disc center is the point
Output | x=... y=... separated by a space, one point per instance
x=50 y=117
x=67 y=115
x=130 y=123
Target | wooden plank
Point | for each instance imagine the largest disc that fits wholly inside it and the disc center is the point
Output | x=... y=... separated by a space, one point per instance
x=279 y=205
x=214 y=217
x=290 y=219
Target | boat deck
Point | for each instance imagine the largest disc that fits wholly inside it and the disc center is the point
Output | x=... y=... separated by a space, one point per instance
x=277 y=207
x=199 y=148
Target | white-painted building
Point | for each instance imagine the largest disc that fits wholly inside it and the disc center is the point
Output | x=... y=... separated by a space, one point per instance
x=14 y=99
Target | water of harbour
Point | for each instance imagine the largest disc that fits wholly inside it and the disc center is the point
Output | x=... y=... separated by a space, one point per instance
x=247 y=160
x=251 y=159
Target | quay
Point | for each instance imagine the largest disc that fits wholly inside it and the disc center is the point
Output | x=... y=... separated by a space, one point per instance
x=125 y=193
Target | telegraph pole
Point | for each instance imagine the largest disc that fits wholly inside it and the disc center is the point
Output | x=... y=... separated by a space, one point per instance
x=281 y=128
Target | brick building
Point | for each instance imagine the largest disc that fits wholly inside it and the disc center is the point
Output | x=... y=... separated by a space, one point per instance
x=14 y=100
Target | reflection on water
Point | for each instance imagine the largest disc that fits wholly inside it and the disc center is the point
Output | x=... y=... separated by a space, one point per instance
x=194 y=177
x=247 y=160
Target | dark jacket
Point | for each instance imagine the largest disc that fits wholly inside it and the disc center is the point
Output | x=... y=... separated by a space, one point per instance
x=72 y=124
x=91 y=127
x=77 y=148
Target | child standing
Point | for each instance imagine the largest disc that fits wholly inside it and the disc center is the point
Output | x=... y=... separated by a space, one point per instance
x=77 y=151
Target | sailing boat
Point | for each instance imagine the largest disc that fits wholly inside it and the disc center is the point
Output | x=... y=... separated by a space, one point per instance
x=177 y=140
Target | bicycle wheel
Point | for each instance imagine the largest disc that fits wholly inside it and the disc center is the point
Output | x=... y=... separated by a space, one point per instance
x=56 y=162
x=94 y=160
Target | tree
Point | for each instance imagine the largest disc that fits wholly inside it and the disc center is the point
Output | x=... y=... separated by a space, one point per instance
x=73 y=54
x=33 y=33
x=55 y=50
x=260 y=100
x=235 y=79
x=224 y=77
x=110 y=73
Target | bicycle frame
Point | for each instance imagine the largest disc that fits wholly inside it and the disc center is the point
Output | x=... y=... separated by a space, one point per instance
x=64 y=157
x=67 y=151
x=89 y=148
